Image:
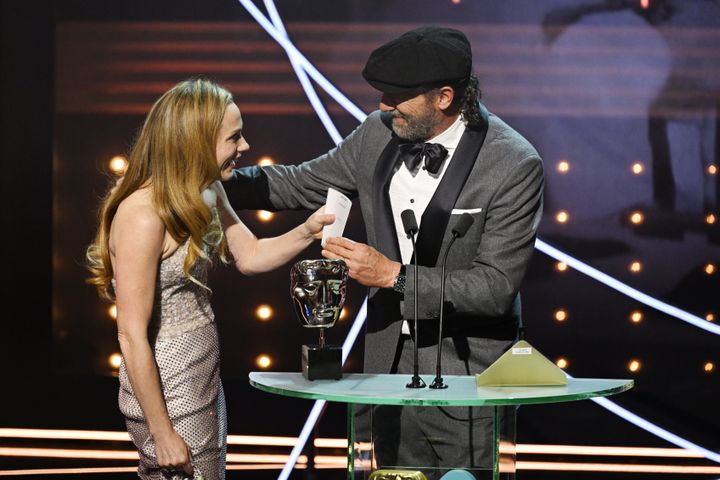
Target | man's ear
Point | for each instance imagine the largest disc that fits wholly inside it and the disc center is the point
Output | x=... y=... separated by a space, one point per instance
x=445 y=97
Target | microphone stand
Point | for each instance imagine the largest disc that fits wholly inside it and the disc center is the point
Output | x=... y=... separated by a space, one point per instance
x=438 y=382
x=461 y=228
x=416 y=381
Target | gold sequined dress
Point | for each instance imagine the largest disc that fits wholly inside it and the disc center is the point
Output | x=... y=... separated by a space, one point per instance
x=184 y=339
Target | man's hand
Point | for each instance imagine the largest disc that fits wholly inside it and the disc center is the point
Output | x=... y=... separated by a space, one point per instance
x=368 y=266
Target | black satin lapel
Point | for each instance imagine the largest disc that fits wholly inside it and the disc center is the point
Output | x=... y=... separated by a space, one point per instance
x=385 y=235
x=437 y=214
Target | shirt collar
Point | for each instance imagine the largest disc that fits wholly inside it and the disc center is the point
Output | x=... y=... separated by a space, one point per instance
x=450 y=137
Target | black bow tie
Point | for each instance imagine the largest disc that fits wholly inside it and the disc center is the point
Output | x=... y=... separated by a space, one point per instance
x=413 y=153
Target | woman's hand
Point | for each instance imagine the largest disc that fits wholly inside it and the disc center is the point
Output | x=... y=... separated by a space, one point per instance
x=172 y=452
x=315 y=223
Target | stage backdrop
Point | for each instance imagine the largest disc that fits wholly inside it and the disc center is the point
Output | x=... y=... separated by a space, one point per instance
x=620 y=98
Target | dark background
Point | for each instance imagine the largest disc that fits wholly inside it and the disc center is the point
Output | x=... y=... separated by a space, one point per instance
x=602 y=87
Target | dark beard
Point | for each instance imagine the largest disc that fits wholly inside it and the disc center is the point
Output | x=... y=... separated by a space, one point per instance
x=416 y=129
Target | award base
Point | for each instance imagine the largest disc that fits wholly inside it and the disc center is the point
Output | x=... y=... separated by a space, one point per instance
x=322 y=363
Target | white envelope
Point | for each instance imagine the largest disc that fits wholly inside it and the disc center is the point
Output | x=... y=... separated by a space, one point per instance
x=339 y=205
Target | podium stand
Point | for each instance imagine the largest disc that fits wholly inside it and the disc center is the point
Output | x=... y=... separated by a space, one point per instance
x=372 y=389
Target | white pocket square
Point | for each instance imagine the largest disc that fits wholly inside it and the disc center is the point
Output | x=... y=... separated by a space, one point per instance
x=460 y=211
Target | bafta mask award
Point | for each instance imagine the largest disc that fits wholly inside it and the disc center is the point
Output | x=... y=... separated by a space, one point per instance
x=317 y=289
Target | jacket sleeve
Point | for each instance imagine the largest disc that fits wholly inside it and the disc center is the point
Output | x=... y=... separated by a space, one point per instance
x=304 y=186
x=487 y=285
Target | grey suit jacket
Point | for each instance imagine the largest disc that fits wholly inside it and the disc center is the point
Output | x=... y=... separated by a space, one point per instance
x=500 y=183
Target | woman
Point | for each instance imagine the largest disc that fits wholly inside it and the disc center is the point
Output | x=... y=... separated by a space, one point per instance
x=159 y=229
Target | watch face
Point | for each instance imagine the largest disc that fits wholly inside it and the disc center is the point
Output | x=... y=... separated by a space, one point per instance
x=399 y=285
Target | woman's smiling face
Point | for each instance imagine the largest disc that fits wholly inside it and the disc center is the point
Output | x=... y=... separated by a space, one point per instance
x=230 y=142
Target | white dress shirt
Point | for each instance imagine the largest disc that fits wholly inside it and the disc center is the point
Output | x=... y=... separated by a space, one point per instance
x=414 y=190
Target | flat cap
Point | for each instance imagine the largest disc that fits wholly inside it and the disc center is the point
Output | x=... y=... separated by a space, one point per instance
x=421 y=57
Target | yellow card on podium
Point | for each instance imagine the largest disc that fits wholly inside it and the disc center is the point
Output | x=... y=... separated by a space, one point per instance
x=522 y=365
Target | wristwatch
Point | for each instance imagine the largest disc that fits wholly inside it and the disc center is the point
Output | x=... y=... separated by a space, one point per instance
x=399 y=285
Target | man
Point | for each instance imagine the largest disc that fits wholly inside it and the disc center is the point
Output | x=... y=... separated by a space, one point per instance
x=478 y=165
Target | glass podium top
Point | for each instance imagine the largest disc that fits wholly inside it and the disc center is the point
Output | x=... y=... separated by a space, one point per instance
x=462 y=391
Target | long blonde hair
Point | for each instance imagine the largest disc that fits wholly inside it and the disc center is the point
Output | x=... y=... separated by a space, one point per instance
x=174 y=154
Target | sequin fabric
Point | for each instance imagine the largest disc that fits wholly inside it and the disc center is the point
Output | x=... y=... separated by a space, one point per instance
x=184 y=338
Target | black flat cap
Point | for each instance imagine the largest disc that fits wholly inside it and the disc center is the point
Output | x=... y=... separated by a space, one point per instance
x=425 y=56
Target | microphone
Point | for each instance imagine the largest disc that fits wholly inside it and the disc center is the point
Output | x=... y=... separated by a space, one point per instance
x=411 y=228
x=460 y=229
x=409 y=223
